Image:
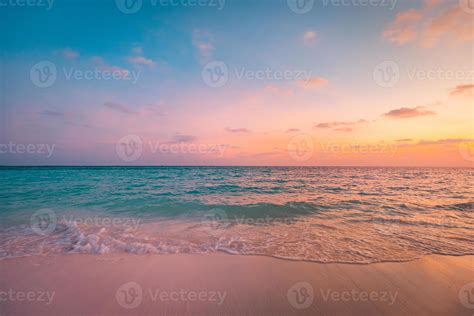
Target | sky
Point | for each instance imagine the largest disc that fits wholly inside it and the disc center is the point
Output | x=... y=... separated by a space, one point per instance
x=236 y=82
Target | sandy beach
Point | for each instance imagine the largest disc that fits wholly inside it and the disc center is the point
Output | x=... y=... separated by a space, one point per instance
x=220 y=284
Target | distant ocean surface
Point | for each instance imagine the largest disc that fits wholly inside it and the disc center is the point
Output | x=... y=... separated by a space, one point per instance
x=356 y=215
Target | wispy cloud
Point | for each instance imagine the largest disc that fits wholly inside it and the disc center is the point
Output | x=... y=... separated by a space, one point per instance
x=282 y=92
x=68 y=53
x=182 y=139
x=313 y=83
x=202 y=41
x=404 y=28
x=428 y=27
x=102 y=65
x=445 y=141
x=141 y=61
x=466 y=89
x=237 y=130
x=309 y=37
x=404 y=112
x=341 y=126
x=292 y=130
x=51 y=113
x=120 y=108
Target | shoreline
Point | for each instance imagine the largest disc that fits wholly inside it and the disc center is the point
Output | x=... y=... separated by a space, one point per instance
x=218 y=283
x=228 y=253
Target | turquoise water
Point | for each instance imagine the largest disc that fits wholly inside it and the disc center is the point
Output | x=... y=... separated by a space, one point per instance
x=321 y=214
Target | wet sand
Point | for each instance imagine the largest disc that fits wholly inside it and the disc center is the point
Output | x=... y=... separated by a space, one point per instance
x=221 y=284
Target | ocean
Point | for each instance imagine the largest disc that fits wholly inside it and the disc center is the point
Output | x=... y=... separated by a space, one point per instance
x=321 y=214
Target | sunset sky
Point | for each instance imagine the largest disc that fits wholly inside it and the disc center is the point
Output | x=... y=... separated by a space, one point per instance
x=301 y=89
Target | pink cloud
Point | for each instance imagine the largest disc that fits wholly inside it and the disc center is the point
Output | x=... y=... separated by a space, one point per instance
x=202 y=41
x=102 y=65
x=428 y=27
x=141 y=60
x=313 y=83
x=404 y=112
x=278 y=91
x=309 y=37
x=69 y=53
x=466 y=89
x=404 y=28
